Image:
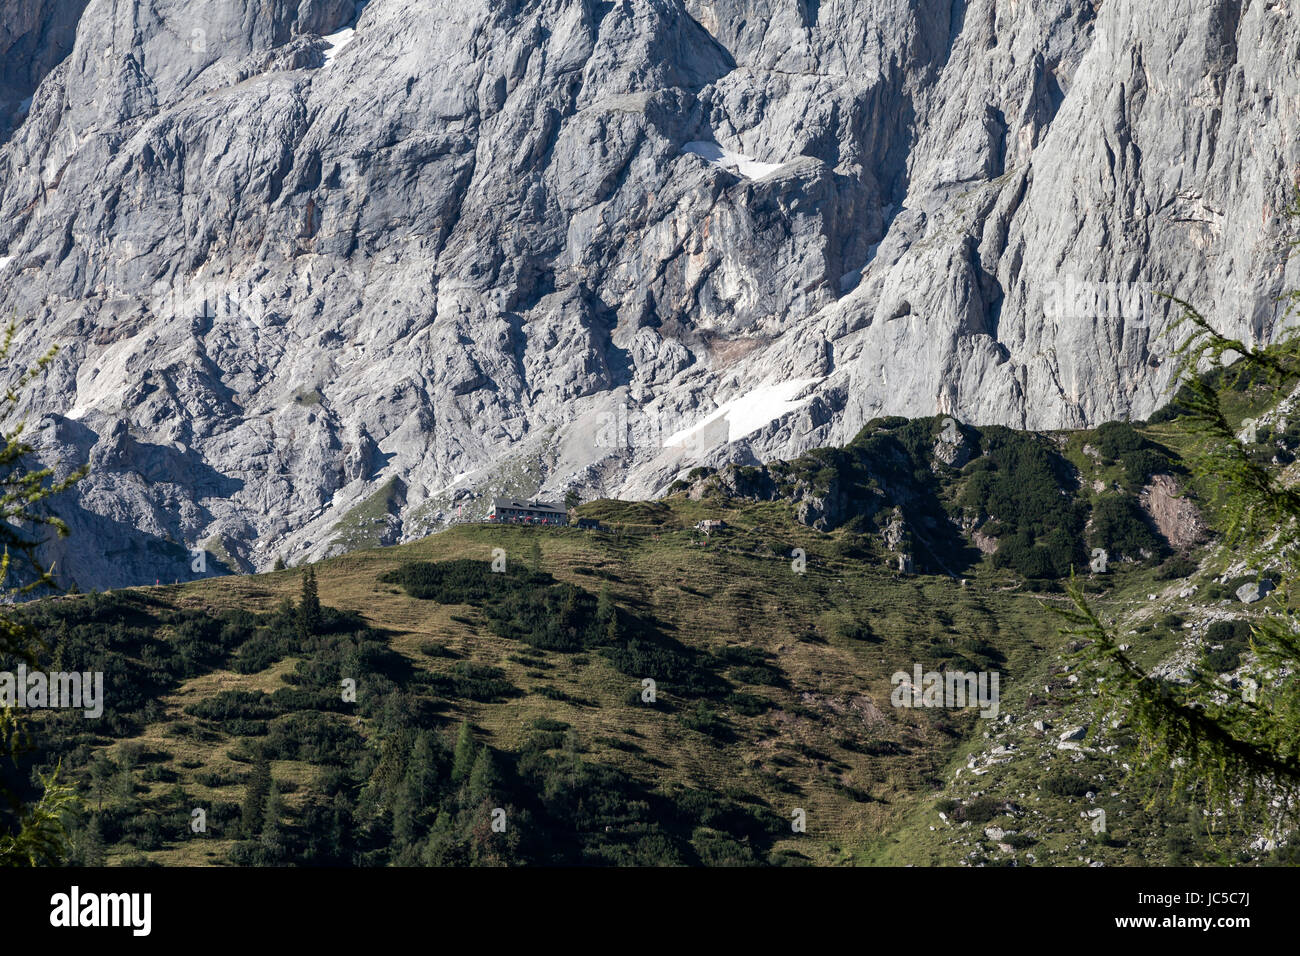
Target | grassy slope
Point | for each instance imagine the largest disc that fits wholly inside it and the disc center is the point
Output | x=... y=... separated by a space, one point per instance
x=802 y=753
x=806 y=752
x=869 y=775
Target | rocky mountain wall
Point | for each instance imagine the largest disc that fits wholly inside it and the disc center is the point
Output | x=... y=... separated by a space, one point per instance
x=296 y=251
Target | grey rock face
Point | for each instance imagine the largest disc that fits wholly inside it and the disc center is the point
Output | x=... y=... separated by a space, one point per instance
x=1255 y=591
x=953 y=449
x=1075 y=733
x=35 y=36
x=294 y=251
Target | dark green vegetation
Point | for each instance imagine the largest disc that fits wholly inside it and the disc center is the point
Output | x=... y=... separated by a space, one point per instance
x=1232 y=738
x=413 y=788
x=412 y=705
x=1228 y=641
x=1020 y=496
x=1023 y=492
x=533 y=608
x=31 y=830
x=1140 y=456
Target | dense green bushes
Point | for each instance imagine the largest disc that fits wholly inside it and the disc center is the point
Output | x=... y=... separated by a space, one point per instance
x=1051 y=559
x=1142 y=458
x=401 y=785
x=1234 y=638
x=1017 y=488
x=475 y=682
x=1023 y=489
x=1065 y=784
x=1026 y=494
x=1117 y=438
x=520 y=604
x=533 y=608
x=890 y=461
x=142 y=658
x=1176 y=567
x=1225 y=632
x=234 y=703
x=458 y=582
x=980 y=810
x=1141 y=464
x=1122 y=529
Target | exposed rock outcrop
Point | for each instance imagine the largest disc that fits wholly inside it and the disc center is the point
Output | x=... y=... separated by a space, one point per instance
x=293 y=250
x=1175 y=516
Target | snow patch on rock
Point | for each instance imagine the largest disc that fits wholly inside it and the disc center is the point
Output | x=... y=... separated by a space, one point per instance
x=751 y=411
x=337 y=41
x=732 y=162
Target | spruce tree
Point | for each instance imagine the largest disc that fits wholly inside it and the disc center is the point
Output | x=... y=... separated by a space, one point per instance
x=1241 y=748
x=309 y=616
x=124 y=778
x=443 y=846
x=422 y=772
x=252 y=810
x=92 y=843
x=273 y=848
x=484 y=780
x=404 y=820
x=462 y=761
x=604 y=604
x=31 y=833
x=101 y=778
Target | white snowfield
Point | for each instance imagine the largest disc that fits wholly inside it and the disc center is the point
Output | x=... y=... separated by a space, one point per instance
x=454 y=482
x=5 y=260
x=337 y=42
x=737 y=163
x=751 y=411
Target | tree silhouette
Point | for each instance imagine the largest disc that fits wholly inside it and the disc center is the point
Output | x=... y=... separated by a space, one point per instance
x=309 y=607
x=1240 y=743
x=30 y=833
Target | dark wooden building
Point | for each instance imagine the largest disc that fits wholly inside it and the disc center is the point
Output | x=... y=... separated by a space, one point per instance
x=516 y=511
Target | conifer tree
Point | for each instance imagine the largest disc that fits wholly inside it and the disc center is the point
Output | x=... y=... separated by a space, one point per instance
x=443 y=845
x=422 y=772
x=462 y=761
x=272 y=843
x=92 y=843
x=309 y=616
x=30 y=833
x=604 y=604
x=484 y=779
x=1240 y=744
x=251 y=811
x=101 y=778
x=124 y=777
